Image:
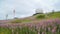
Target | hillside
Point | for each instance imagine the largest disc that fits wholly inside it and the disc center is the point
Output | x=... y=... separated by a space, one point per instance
x=54 y=14
x=33 y=18
x=36 y=24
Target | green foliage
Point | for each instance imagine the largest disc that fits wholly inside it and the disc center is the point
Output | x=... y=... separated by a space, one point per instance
x=5 y=30
x=16 y=21
x=37 y=13
x=54 y=14
x=20 y=20
x=25 y=20
x=40 y=16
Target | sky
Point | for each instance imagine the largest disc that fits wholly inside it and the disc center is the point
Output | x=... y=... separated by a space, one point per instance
x=24 y=8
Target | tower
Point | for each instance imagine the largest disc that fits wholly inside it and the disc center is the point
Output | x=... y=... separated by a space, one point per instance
x=6 y=16
x=14 y=13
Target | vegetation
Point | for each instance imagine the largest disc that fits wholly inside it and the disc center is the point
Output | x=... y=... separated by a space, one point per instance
x=20 y=20
x=54 y=14
x=26 y=20
x=16 y=21
x=51 y=27
x=40 y=16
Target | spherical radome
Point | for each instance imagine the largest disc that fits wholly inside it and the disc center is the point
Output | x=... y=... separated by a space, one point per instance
x=39 y=10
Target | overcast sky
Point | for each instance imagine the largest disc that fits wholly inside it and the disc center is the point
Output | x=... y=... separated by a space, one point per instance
x=25 y=8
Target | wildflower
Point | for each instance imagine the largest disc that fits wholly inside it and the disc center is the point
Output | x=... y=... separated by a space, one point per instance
x=43 y=33
x=43 y=27
x=12 y=31
x=38 y=32
x=54 y=29
x=48 y=28
x=17 y=33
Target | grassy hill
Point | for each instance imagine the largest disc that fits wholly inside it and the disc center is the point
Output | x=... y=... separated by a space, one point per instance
x=36 y=24
x=54 y=14
x=34 y=17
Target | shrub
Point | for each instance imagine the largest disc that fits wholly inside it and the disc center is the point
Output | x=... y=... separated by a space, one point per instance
x=40 y=16
x=37 y=13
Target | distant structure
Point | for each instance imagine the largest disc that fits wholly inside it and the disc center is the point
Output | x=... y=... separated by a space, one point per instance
x=39 y=11
x=6 y=16
x=14 y=13
x=53 y=11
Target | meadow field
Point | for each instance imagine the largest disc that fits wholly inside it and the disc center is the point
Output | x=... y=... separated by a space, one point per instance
x=50 y=25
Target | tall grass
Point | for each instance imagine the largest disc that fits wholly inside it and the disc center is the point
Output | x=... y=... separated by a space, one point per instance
x=49 y=29
x=51 y=26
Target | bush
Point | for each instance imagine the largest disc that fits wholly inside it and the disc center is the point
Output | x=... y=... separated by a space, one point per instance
x=37 y=13
x=40 y=16
x=16 y=21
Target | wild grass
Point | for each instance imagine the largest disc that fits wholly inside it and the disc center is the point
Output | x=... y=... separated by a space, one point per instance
x=51 y=26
